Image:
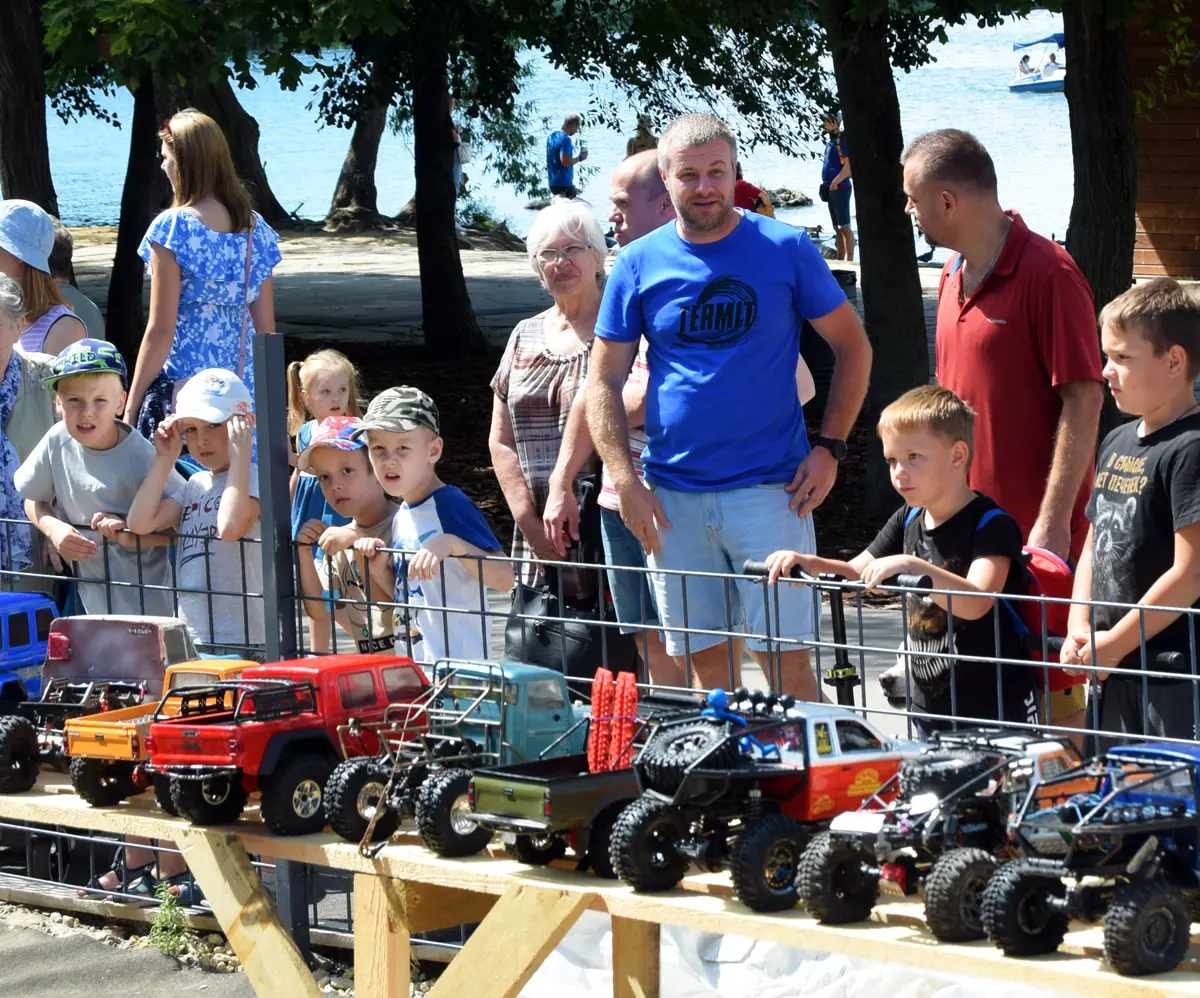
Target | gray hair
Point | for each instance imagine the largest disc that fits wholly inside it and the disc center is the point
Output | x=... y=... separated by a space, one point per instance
x=690 y=130
x=572 y=218
x=12 y=299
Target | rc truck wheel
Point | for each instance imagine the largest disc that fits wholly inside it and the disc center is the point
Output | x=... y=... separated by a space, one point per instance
x=954 y=895
x=293 y=797
x=644 y=844
x=100 y=783
x=353 y=793
x=162 y=794
x=1018 y=916
x=766 y=861
x=444 y=816
x=19 y=756
x=668 y=754
x=536 y=850
x=1146 y=930
x=941 y=771
x=831 y=884
x=599 y=844
x=216 y=800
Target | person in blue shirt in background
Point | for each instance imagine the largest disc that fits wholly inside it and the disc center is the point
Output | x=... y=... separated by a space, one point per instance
x=561 y=159
x=720 y=296
x=835 y=187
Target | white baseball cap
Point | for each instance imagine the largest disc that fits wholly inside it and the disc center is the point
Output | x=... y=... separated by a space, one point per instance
x=213 y=395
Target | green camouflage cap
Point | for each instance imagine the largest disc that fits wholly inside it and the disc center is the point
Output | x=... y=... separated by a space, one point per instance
x=86 y=356
x=398 y=410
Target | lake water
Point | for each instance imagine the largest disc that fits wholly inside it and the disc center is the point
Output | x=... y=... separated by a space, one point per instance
x=1028 y=136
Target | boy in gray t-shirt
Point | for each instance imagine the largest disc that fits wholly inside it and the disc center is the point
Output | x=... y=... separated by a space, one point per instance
x=86 y=470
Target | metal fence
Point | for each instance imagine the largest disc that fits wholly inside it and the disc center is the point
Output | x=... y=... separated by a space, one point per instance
x=856 y=639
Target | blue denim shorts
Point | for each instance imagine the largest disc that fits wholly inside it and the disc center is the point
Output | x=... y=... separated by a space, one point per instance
x=839 y=207
x=717 y=532
x=633 y=596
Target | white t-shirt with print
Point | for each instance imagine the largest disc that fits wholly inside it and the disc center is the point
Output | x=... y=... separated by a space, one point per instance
x=230 y=567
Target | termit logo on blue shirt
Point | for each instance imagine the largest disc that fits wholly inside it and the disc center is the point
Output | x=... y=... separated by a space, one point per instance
x=723 y=315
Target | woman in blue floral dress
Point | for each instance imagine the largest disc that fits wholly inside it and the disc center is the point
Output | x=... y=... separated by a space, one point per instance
x=206 y=300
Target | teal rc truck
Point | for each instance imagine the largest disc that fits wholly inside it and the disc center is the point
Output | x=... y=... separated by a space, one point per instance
x=25 y=620
x=474 y=714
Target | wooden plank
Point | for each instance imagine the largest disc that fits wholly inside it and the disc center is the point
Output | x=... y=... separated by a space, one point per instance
x=381 y=938
x=219 y=862
x=510 y=944
x=636 y=948
x=1168 y=131
x=430 y=906
x=1184 y=260
x=1184 y=226
x=1147 y=208
x=1168 y=160
x=1160 y=241
x=897 y=936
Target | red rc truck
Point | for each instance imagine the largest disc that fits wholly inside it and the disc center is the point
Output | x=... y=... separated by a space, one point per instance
x=273 y=730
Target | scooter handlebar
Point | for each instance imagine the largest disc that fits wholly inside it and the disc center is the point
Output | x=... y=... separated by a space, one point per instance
x=903 y=581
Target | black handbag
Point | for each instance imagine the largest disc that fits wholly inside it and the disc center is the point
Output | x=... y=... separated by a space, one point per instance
x=823 y=192
x=558 y=626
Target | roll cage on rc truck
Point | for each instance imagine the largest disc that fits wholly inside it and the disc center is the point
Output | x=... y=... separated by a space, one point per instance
x=943 y=833
x=1125 y=851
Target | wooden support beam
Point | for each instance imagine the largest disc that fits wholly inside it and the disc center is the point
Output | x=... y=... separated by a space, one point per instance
x=635 y=956
x=431 y=906
x=510 y=944
x=382 y=954
x=222 y=868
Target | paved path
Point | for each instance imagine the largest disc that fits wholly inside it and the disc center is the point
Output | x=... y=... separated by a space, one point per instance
x=35 y=965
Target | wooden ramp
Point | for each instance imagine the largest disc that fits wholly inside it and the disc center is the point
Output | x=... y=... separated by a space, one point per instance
x=524 y=913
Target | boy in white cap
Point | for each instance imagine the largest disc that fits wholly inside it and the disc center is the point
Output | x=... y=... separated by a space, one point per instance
x=214 y=510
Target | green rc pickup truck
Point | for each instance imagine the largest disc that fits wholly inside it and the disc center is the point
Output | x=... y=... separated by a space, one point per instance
x=541 y=807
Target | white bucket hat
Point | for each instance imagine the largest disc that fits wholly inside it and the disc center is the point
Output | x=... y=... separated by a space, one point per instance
x=27 y=232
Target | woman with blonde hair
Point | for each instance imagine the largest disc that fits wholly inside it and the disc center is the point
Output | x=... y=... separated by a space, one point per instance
x=543 y=368
x=210 y=257
x=26 y=240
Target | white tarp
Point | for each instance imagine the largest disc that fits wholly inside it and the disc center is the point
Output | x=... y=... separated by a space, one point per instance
x=706 y=965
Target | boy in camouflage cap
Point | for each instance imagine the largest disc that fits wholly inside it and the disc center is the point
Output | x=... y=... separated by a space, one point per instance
x=80 y=481
x=435 y=524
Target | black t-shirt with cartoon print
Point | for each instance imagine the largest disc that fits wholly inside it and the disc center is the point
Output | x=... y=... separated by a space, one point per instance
x=1146 y=488
x=953 y=545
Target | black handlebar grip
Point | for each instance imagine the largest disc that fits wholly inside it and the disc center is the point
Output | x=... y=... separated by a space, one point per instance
x=1033 y=642
x=760 y=568
x=904 y=581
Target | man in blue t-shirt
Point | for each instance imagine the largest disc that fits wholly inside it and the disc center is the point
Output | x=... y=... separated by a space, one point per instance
x=720 y=297
x=835 y=187
x=561 y=159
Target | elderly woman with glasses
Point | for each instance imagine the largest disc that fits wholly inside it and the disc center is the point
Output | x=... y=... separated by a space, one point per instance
x=544 y=367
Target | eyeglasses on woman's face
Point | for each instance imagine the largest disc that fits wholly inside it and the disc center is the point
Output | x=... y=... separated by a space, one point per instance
x=571 y=253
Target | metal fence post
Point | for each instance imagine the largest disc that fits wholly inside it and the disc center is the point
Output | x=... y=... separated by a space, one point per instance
x=279 y=582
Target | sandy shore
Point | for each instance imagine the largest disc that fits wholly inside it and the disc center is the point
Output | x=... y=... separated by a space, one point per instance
x=368 y=289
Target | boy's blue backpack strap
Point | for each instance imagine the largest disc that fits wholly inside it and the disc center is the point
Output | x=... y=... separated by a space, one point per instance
x=990 y=515
x=912 y=514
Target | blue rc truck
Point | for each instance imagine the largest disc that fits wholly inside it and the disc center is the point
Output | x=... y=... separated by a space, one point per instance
x=25 y=620
x=1123 y=852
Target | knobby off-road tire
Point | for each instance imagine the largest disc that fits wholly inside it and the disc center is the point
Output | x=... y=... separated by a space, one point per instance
x=671 y=751
x=1146 y=929
x=643 y=848
x=293 y=797
x=766 y=861
x=1017 y=916
x=832 y=886
x=443 y=815
x=599 y=847
x=217 y=800
x=353 y=792
x=536 y=851
x=941 y=772
x=100 y=783
x=20 y=759
x=954 y=895
x=162 y=794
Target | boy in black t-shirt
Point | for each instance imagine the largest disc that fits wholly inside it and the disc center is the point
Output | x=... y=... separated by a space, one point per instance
x=1144 y=540
x=967 y=544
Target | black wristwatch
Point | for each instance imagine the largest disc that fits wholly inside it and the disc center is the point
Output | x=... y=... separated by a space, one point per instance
x=835 y=447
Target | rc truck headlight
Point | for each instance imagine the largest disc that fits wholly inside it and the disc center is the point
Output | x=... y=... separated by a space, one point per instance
x=1130 y=813
x=1149 y=812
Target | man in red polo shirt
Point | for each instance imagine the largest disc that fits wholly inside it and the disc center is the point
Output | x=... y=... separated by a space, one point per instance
x=1016 y=338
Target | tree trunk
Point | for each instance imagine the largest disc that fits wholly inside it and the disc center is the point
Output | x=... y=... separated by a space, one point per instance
x=447 y=316
x=893 y=312
x=220 y=103
x=355 y=199
x=144 y=194
x=24 y=151
x=1101 y=232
